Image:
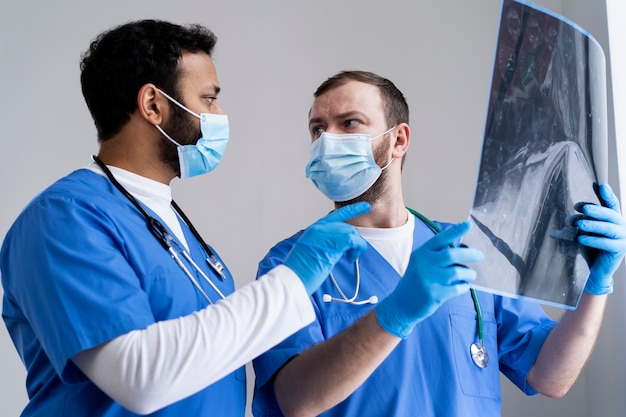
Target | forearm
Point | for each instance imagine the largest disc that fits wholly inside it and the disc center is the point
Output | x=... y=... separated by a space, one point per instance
x=325 y=375
x=568 y=347
x=148 y=369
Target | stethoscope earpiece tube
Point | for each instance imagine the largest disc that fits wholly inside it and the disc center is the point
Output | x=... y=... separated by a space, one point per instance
x=327 y=298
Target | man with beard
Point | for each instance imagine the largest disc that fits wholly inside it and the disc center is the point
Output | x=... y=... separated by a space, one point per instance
x=114 y=302
x=398 y=331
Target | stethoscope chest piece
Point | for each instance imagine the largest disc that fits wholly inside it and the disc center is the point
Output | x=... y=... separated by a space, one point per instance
x=479 y=354
x=217 y=267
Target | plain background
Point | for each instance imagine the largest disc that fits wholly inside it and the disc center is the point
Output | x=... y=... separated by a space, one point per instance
x=270 y=57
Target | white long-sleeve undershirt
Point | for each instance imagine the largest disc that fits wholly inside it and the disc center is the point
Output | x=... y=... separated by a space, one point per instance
x=148 y=369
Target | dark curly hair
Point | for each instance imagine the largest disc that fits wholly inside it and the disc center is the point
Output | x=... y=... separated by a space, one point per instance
x=121 y=60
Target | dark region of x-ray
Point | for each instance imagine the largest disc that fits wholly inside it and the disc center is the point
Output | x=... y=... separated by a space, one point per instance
x=544 y=147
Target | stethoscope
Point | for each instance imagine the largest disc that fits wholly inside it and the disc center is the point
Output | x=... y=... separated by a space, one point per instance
x=478 y=351
x=170 y=244
x=352 y=300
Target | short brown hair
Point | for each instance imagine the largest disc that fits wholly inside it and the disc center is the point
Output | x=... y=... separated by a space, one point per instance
x=394 y=104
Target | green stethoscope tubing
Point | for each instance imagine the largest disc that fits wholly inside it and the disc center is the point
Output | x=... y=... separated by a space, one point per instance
x=479 y=313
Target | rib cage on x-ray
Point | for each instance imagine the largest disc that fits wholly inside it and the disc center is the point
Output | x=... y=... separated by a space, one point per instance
x=544 y=147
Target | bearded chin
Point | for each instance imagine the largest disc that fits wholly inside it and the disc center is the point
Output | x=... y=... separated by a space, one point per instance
x=184 y=131
x=378 y=189
x=371 y=195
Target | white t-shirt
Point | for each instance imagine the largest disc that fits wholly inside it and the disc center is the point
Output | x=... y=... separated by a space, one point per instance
x=394 y=244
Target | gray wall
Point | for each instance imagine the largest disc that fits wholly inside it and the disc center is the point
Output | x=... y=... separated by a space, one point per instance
x=270 y=57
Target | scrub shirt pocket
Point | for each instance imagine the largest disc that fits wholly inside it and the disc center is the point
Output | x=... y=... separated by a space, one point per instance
x=474 y=381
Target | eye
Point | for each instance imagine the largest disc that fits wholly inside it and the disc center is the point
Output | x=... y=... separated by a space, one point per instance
x=316 y=131
x=210 y=99
x=351 y=123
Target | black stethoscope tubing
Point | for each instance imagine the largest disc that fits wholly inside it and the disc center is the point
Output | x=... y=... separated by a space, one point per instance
x=166 y=240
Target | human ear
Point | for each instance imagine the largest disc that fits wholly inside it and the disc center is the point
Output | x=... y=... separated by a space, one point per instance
x=403 y=138
x=151 y=104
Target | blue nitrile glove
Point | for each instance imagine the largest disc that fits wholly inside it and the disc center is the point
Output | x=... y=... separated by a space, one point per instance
x=323 y=243
x=603 y=228
x=434 y=275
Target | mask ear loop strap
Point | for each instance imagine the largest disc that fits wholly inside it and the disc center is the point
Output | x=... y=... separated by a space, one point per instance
x=170 y=98
x=392 y=158
x=168 y=137
x=177 y=103
x=388 y=163
x=384 y=133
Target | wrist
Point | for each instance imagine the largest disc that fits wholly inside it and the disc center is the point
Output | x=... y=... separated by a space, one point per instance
x=390 y=319
x=599 y=286
x=295 y=263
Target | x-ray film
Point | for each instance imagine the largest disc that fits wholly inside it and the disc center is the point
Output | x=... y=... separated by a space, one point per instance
x=544 y=147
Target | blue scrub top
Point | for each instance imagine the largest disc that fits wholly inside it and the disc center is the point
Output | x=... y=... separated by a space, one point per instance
x=80 y=267
x=430 y=373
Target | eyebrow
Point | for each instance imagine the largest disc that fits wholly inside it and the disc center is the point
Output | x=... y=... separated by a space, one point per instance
x=215 y=89
x=340 y=116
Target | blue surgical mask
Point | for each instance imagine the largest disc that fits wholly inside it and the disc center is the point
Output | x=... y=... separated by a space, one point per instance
x=206 y=154
x=342 y=166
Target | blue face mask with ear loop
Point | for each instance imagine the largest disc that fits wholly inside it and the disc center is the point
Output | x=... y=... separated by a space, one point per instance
x=342 y=166
x=206 y=154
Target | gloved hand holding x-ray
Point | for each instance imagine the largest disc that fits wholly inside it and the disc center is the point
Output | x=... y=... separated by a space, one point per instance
x=435 y=273
x=602 y=228
x=323 y=243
